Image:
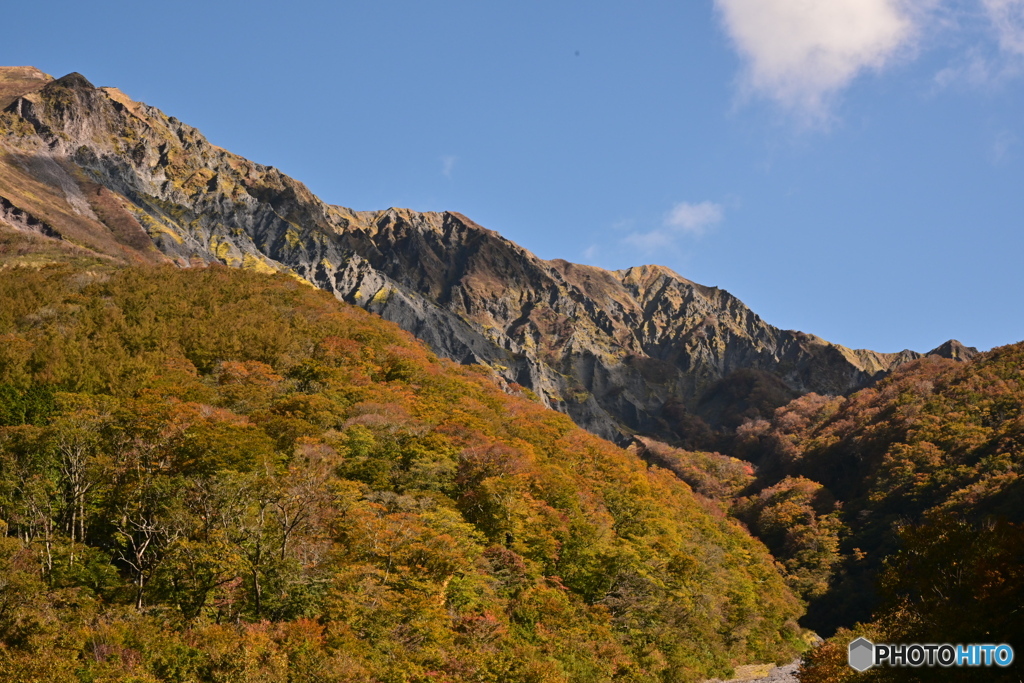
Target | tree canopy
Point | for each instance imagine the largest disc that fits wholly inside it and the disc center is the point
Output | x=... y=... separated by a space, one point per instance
x=214 y=475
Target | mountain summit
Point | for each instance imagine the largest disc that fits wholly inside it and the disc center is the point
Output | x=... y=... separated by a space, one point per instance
x=88 y=171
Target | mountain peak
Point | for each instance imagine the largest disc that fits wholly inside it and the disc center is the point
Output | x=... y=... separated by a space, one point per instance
x=955 y=350
x=74 y=80
x=647 y=271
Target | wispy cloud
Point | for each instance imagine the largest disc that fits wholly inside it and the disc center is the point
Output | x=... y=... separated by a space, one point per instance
x=448 y=165
x=685 y=218
x=1007 y=17
x=995 y=43
x=591 y=252
x=974 y=69
x=1003 y=146
x=651 y=242
x=802 y=52
x=694 y=218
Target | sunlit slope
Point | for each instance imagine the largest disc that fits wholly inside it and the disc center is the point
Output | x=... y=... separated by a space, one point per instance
x=210 y=474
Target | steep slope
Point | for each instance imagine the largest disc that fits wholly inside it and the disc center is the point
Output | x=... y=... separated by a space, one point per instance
x=212 y=475
x=927 y=467
x=935 y=439
x=636 y=351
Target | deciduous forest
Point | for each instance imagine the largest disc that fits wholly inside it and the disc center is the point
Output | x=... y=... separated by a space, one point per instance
x=216 y=475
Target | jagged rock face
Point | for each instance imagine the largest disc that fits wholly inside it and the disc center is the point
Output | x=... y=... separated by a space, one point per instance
x=632 y=351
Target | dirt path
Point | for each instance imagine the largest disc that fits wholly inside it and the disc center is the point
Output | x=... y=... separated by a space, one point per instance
x=764 y=673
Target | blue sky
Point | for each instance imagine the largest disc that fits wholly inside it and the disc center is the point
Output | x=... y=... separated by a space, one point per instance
x=849 y=168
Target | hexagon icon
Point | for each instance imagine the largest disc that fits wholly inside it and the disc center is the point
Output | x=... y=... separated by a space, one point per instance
x=862 y=654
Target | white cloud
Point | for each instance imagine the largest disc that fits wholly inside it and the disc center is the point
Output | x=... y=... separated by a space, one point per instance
x=591 y=252
x=802 y=52
x=694 y=218
x=1007 y=17
x=684 y=219
x=448 y=165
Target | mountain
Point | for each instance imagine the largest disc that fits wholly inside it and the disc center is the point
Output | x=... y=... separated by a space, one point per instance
x=88 y=170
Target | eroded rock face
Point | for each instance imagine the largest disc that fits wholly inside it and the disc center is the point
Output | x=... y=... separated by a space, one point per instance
x=640 y=350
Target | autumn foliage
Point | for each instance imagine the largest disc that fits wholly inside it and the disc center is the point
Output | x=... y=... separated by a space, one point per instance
x=212 y=475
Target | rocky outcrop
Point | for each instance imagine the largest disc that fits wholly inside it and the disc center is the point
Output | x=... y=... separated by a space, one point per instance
x=642 y=350
x=24 y=221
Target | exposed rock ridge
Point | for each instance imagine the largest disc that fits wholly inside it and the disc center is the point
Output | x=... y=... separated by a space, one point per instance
x=621 y=352
x=20 y=219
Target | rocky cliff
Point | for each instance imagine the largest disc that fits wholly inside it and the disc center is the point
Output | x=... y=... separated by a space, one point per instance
x=88 y=171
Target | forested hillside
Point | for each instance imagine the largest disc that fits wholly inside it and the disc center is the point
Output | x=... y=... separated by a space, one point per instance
x=923 y=475
x=214 y=475
x=900 y=507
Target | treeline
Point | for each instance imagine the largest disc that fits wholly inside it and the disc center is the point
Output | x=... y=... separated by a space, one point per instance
x=212 y=475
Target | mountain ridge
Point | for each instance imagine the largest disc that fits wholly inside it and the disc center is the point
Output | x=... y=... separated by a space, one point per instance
x=639 y=350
